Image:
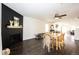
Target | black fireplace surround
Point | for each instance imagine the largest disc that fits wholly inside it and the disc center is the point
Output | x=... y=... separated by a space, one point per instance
x=10 y=36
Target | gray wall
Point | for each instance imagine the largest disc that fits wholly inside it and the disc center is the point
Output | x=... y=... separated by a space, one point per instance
x=0 y=32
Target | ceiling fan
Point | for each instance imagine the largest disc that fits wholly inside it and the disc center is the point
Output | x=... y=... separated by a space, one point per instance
x=57 y=16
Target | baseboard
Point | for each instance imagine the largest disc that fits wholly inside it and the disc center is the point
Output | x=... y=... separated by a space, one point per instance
x=29 y=38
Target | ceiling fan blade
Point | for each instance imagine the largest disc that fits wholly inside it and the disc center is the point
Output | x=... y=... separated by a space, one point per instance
x=56 y=15
x=64 y=15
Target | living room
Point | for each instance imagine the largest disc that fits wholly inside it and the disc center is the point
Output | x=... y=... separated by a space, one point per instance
x=37 y=19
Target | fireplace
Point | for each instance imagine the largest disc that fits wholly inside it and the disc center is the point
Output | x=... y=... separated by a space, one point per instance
x=10 y=35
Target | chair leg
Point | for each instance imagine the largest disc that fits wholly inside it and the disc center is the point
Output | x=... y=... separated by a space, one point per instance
x=56 y=45
x=52 y=45
x=48 y=48
x=63 y=45
x=56 y=48
x=43 y=46
x=60 y=46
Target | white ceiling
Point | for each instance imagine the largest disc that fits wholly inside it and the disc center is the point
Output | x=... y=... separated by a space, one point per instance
x=46 y=11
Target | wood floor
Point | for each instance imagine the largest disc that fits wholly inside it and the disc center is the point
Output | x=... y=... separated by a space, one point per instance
x=34 y=47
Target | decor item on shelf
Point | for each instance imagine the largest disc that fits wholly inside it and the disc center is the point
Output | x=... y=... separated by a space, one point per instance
x=14 y=23
x=11 y=23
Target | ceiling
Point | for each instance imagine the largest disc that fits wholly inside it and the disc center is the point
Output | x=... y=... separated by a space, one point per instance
x=46 y=11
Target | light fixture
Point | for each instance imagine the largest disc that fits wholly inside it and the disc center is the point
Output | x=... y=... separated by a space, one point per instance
x=56 y=18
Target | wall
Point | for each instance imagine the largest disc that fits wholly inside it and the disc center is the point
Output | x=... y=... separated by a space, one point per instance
x=10 y=36
x=0 y=32
x=31 y=27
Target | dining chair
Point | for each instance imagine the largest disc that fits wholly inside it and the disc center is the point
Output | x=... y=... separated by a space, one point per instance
x=47 y=41
x=61 y=41
x=57 y=41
